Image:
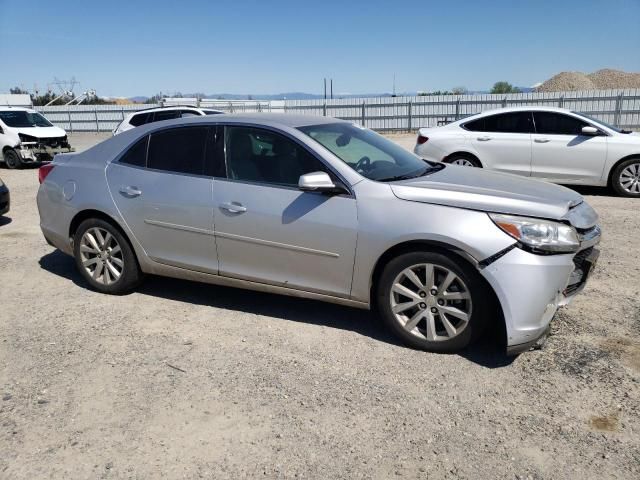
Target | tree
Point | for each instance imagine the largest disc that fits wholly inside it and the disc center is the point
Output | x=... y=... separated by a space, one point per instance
x=459 y=90
x=504 y=87
x=17 y=91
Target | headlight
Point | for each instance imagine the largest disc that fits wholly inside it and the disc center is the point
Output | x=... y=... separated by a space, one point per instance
x=541 y=235
x=27 y=138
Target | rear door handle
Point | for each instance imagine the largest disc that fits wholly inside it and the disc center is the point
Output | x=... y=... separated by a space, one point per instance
x=484 y=139
x=541 y=140
x=131 y=192
x=233 y=207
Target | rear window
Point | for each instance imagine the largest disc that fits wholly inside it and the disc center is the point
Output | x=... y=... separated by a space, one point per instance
x=140 y=119
x=178 y=150
x=166 y=115
x=136 y=155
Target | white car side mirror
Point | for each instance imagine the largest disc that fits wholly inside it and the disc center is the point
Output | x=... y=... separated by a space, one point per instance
x=589 y=130
x=316 y=182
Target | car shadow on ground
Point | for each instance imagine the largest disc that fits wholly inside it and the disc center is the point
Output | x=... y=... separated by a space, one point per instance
x=5 y=220
x=595 y=191
x=486 y=353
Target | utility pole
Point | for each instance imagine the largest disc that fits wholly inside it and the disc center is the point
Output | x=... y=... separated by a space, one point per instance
x=332 y=89
x=394 y=85
x=325 y=88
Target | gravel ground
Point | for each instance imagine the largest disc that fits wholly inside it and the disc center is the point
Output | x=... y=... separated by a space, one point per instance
x=185 y=380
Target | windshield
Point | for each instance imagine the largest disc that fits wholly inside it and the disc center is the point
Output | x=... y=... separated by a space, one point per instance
x=368 y=153
x=22 y=119
x=600 y=122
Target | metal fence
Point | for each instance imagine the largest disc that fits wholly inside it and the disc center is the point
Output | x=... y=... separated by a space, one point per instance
x=617 y=107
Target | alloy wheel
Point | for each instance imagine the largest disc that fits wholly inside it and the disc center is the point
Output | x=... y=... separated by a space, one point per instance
x=630 y=178
x=431 y=302
x=101 y=256
x=464 y=162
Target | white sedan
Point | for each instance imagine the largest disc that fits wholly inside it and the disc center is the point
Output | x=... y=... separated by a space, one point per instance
x=551 y=144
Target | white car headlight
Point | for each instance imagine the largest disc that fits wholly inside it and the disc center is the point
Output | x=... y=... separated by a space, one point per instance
x=541 y=235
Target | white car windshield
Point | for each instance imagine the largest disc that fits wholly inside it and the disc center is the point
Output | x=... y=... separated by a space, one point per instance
x=22 y=119
x=600 y=122
x=368 y=153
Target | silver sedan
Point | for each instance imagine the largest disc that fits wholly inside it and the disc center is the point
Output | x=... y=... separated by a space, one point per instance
x=324 y=209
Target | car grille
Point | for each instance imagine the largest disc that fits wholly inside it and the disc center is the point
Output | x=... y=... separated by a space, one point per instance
x=581 y=271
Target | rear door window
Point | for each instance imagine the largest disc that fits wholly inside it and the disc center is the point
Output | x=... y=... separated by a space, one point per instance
x=178 y=150
x=512 y=122
x=166 y=115
x=140 y=119
x=551 y=123
x=136 y=155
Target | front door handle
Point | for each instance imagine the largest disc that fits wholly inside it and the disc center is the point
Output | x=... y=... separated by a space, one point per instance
x=484 y=139
x=130 y=191
x=541 y=140
x=233 y=207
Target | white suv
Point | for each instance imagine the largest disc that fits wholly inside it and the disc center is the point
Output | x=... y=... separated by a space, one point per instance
x=552 y=144
x=149 y=115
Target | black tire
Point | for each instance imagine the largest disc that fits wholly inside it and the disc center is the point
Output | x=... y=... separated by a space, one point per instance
x=130 y=276
x=623 y=169
x=480 y=306
x=12 y=159
x=456 y=157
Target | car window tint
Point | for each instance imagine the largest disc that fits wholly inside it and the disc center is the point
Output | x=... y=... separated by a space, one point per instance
x=557 y=124
x=258 y=155
x=475 y=125
x=166 y=115
x=513 y=122
x=189 y=113
x=139 y=119
x=136 y=155
x=179 y=150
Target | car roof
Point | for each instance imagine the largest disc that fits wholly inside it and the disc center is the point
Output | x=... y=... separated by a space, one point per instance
x=526 y=108
x=9 y=108
x=266 y=119
x=167 y=107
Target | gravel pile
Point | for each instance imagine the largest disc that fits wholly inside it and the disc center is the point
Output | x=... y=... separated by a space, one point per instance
x=602 y=79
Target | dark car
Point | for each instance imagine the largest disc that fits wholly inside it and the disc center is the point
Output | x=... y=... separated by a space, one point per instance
x=4 y=198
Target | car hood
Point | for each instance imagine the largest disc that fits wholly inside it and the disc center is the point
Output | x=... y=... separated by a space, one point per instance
x=480 y=189
x=41 y=132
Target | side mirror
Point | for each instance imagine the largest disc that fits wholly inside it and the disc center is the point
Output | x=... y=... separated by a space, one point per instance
x=317 y=182
x=589 y=130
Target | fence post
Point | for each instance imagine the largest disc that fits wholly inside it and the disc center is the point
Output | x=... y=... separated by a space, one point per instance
x=616 y=116
x=324 y=109
x=364 y=115
x=504 y=102
x=409 y=111
x=95 y=111
x=122 y=111
x=70 y=124
x=458 y=108
x=561 y=101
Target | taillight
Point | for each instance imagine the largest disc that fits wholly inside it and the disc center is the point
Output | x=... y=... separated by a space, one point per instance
x=43 y=171
x=422 y=139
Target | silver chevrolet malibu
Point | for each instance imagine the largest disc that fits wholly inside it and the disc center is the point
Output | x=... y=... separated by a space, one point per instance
x=324 y=209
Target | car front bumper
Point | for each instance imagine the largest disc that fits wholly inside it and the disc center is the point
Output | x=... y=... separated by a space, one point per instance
x=5 y=199
x=532 y=287
x=36 y=153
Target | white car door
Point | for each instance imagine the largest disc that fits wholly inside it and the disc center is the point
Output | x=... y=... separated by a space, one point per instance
x=561 y=153
x=503 y=141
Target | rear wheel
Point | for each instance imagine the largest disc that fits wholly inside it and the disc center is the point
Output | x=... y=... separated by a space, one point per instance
x=464 y=160
x=12 y=159
x=625 y=179
x=104 y=257
x=432 y=302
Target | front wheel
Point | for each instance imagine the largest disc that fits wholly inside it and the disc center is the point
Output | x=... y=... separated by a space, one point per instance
x=104 y=257
x=463 y=160
x=625 y=179
x=12 y=159
x=432 y=302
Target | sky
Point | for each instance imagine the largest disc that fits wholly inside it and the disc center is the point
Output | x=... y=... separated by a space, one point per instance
x=140 y=47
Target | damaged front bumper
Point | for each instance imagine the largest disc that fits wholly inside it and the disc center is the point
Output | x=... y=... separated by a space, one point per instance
x=532 y=287
x=40 y=152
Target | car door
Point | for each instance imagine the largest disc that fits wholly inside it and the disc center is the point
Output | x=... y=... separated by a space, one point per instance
x=502 y=141
x=269 y=231
x=162 y=188
x=561 y=153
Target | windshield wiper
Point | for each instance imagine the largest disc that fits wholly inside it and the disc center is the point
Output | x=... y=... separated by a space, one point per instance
x=409 y=176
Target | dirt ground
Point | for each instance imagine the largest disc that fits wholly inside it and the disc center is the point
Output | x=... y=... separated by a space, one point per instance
x=185 y=380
